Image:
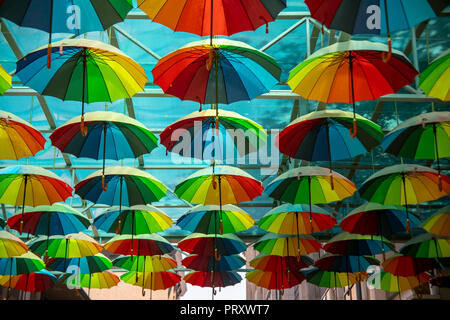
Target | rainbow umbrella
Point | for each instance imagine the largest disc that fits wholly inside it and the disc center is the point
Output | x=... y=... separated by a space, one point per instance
x=439 y=223
x=97 y=280
x=110 y=135
x=388 y=282
x=348 y=264
x=10 y=245
x=147 y=263
x=427 y=245
x=377 y=219
x=276 y=263
x=82 y=70
x=310 y=185
x=144 y=244
x=332 y=279
x=216 y=71
x=323 y=136
x=76 y=17
x=275 y=280
x=31 y=186
x=30 y=282
x=138 y=219
x=18 y=138
x=351 y=71
x=151 y=280
x=57 y=219
x=206 y=219
x=208 y=17
x=74 y=245
x=296 y=219
x=285 y=245
x=209 y=263
x=376 y=17
x=425 y=136
x=127 y=186
x=84 y=265
x=5 y=81
x=406 y=266
x=212 y=279
x=405 y=184
x=435 y=79
x=246 y=135
x=216 y=245
x=25 y=263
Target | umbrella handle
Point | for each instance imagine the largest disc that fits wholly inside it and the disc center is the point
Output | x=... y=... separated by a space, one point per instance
x=104 y=185
x=118 y=227
x=49 y=56
x=83 y=128
x=21 y=226
x=440 y=182
x=143 y=292
x=354 y=131
x=387 y=57
x=217 y=256
x=210 y=59
x=221 y=227
x=266 y=23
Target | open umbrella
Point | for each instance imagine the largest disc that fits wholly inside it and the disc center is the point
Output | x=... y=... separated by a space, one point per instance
x=138 y=219
x=30 y=282
x=388 y=282
x=25 y=263
x=347 y=263
x=31 y=186
x=435 y=79
x=439 y=223
x=323 y=136
x=110 y=135
x=275 y=280
x=147 y=263
x=425 y=136
x=83 y=265
x=209 y=263
x=67 y=16
x=10 y=245
x=18 y=138
x=5 y=81
x=274 y=263
x=82 y=70
x=405 y=184
x=216 y=245
x=332 y=279
x=377 y=219
x=427 y=245
x=378 y=17
x=206 y=219
x=285 y=245
x=351 y=71
x=97 y=280
x=406 y=266
x=212 y=279
x=212 y=17
x=224 y=71
x=139 y=245
x=246 y=135
x=151 y=280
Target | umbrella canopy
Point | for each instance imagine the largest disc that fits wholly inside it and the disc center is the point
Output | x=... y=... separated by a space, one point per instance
x=57 y=219
x=83 y=265
x=358 y=245
x=152 y=280
x=110 y=135
x=351 y=71
x=283 y=245
x=138 y=219
x=18 y=138
x=146 y=263
x=225 y=71
x=97 y=280
x=206 y=219
x=275 y=263
x=323 y=136
x=310 y=185
x=210 y=264
x=377 y=219
x=139 y=245
x=275 y=280
x=208 y=17
x=435 y=79
x=348 y=264
x=82 y=70
x=296 y=219
x=246 y=135
x=439 y=223
x=212 y=279
x=219 y=185
x=74 y=245
x=30 y=282
x=389 y=282
x=405 y=266
x=212 y=244
x=5 y=81
x=25 y=263
x=127 y=186
x=331 y=279
x=427 y=245
x=10 y=245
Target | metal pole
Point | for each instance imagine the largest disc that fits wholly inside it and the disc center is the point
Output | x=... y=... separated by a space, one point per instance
x=308 y=40
x=414 y=53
